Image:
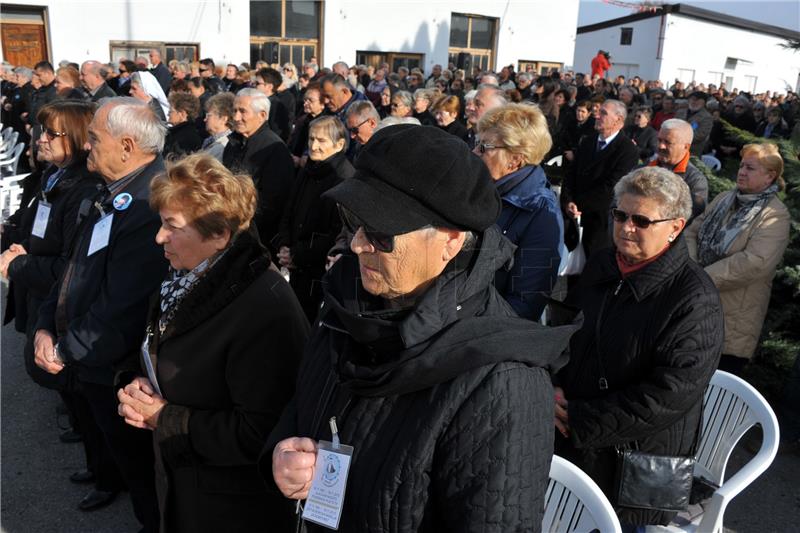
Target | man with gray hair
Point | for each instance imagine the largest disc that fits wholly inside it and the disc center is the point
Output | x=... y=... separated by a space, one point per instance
x=488 y=97
x=361 y=121
x=159 y=70
x=600 y=161
x=94 y=82
x=254 y=149
x=674 y=150
x=92 y=322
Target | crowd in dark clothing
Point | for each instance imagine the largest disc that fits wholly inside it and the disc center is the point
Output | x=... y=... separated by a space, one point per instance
x=446 y=388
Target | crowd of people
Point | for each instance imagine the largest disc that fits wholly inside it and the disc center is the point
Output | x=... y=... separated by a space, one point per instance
x=231 y=275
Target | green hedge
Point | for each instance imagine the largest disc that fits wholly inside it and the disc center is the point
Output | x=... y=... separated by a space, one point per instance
x=780 y=343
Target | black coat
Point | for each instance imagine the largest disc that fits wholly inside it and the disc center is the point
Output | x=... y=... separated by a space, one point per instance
x=280 y=121
x=182 y=139
x=40 y=97
x=310 y=225
x=264 y=157
x=646 y=140
x=163 y=76
x=590 y=184
x=452 y=433
x=458 y=129
x=656 y=336
x=226 y=372
x=107 y=293
x=33 y=275
x=103 y=92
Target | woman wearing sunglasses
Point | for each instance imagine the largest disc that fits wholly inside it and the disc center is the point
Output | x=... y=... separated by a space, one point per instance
x=740 y=240
x=311 y=223
x=513 y=140
x=48 y=226
x=650 y=341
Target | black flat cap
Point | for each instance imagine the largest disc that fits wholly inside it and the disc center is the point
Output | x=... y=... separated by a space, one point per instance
x=408 y=177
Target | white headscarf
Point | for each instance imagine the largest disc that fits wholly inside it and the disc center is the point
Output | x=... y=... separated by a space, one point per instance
x=151 y=86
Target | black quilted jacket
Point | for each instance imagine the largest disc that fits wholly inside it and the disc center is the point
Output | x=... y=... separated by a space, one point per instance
x=448 y=405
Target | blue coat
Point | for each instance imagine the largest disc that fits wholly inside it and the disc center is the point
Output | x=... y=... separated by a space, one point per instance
x=531 y=219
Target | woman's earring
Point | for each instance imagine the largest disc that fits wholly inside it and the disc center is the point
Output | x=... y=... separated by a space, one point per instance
x=671 y=238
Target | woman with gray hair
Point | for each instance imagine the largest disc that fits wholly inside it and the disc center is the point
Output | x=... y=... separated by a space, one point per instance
x=650 y=342
x=402 y=104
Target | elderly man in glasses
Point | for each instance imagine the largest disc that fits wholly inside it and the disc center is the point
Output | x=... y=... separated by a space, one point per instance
x=362 y=119
x=418 y=363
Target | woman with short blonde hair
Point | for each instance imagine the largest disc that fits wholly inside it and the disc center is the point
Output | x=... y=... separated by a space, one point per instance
x=512 y=141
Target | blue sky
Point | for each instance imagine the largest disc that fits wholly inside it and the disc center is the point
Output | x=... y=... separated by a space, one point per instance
x=784 y=13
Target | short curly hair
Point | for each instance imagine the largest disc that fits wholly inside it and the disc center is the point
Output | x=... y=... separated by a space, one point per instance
x=186 y=102
x=521 y=128
x=665 y=187
x=210 y=196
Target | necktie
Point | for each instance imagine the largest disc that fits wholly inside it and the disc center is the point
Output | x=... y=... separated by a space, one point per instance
x=601 y=144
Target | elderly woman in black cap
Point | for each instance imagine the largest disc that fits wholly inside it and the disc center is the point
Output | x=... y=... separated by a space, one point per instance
x=418 y=363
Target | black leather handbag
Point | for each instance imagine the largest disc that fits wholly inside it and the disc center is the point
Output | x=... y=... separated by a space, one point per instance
x=648 y=481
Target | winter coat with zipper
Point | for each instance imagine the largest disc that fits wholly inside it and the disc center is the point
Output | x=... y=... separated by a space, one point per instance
x=310 y=225
x=655 y=337
x=744 y=276
x=447 y=404
x=107 y=292
x=531 y=220
x=226 y=372
x=33 y=275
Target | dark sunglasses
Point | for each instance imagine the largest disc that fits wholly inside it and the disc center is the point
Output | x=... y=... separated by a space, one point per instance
x=640 y=221
x=382 y=242
x=52 y=134
x=203 y=69
x=354 y=129
x=483 y=147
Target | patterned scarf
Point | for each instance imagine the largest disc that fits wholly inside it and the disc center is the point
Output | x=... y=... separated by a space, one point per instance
x=178 y=284
x=716 y=235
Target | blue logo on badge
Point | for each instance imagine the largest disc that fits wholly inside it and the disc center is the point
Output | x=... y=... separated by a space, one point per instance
x=122 y=201
x=330 y=473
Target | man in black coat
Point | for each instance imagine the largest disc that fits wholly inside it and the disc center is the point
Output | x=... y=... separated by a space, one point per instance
x=44 y=94
x=600 y=162
x=428 y=374
x=94 y=82
x=93 y=319
x=255 y=149
x=160 y=71
x=280 y=118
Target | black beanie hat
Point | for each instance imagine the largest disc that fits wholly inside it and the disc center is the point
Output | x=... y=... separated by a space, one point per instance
x=408 y=177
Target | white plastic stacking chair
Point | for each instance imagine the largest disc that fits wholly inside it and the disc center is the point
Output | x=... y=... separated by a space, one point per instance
x=10 y=143
x=712 y=162
x=573 y=502
x=557 y=161
x=10 y=194
x=730 y=408
x=10 y=161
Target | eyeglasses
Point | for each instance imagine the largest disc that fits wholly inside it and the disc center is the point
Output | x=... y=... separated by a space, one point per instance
x=52 y=134
x=354 y=129
x=640 y=221
x=203 y=69
x=482 y=147
x=382 y=242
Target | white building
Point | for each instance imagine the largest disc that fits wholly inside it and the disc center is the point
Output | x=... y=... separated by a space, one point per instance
x=688 y=43
x=491 y=33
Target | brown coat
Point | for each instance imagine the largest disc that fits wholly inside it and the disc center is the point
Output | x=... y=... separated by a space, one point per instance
x=744 y=277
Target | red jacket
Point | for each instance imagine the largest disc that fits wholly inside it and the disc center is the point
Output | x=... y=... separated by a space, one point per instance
x=600 y=65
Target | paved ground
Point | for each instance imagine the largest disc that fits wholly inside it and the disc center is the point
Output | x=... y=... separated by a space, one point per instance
x=36 y=496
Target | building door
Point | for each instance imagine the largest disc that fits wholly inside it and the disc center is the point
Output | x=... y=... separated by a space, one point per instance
x=24 y=35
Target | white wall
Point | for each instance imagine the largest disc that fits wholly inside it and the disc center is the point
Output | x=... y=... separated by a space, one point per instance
x=531 y=30
x=82 y=29
x=703 y=47
x=637 y=59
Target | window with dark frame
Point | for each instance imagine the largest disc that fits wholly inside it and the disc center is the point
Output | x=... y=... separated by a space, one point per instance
x=473 y=35
x=626 y=36
x=284 y=31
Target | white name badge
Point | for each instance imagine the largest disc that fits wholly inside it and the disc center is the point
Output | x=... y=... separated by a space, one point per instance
x=100 y=234
x=40 y=222
x=326 y=496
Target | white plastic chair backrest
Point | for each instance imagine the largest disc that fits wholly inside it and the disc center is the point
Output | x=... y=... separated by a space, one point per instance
x=711 y=161
x=11 y=194
x=732 y=406
x=11 y=141
x=557 y=161
x=6 y=133
x=9 y=166
x=573 y=502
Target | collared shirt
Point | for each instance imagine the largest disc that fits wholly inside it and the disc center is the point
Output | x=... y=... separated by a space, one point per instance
x=608 y=139
x=117 y=186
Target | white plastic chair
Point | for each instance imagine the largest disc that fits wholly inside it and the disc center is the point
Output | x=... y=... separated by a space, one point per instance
x=557 y=161
x=730 y=408
x=10 y=194
x=10 y=143
x=573 y=502
x=9 y=163
x=711 y=162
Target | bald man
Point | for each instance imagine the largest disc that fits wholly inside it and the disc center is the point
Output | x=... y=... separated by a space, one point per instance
x=674 y=150
x=94 y=82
